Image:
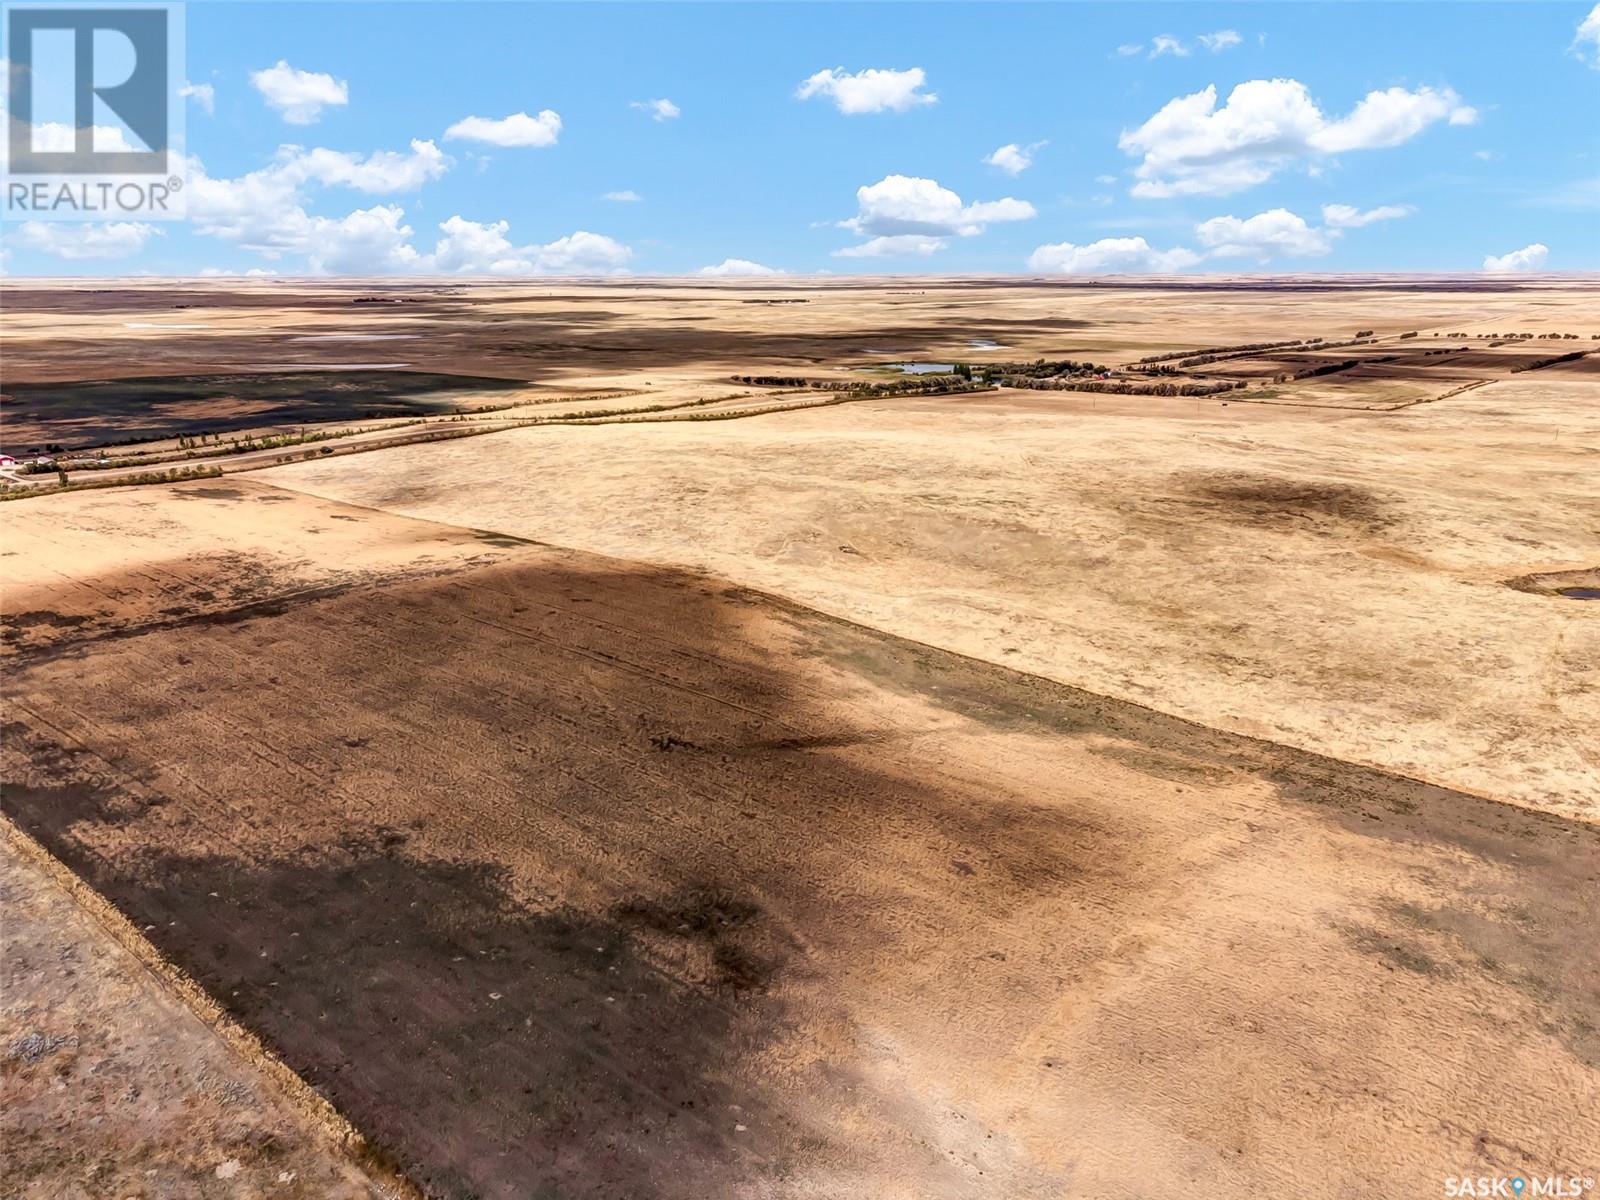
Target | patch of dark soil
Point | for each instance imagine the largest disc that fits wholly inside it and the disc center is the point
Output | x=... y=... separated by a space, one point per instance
x=816 y=741
x=911 y=669
x=503 y=541
x=716 y=920
x=1164 y=764
x=1281 y=502
x=697 y=913
x=1519 y=946
x=94 y=412
x=1395 y=952
x=1556 y=583
x=494 y=1048
x=19 y=623
x=50 y=786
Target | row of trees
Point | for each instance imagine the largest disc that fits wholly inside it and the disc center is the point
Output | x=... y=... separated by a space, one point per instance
x=1215 y=352
x=1125 y=387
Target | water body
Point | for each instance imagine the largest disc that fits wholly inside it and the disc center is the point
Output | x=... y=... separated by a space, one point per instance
x=985 y=344
x=1580 y=593
x=922 y=368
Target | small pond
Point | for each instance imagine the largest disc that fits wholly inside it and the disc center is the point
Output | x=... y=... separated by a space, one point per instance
x=922 y=368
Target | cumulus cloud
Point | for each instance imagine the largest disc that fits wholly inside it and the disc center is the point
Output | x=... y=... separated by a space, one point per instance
x=1012 y=158
x=1165 y=43
x=659 y=110
x=874 y=90
x=901 y=205
x=55 y=137
x=300 y=96
x=1586 y=42
x=519 y=129
x=1222 y=39
x=1193 y=147
x=203 y=94
x=624 y=197
x=381 y=172
x=1277 y=233
x=369 y=241
x=79 y=241
x=1529 y=258
x=264 y=211
x=903 y=245
x=737 y=266
x=472 y=247
x=1347 y=216
x=1110 y=256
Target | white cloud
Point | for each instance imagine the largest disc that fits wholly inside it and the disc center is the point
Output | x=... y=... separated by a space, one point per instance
x=519 y=129
x=898 y=205
x=299 y=95
x=1110 y=256
x=871 y=91
x=1222 y=39
x=738 y=266
x=380 y=173
x=1105 y=180
x=82 y=240
x=477 y=248
x=1277 y=233
x=899 y=246
x=659 y=110
x=1192 y=147
x=202 y=94
x=1586 y=42
x=1166 y=45
x=265 y=210
x=1390 y=117
x=1529 y=258
x=369 y=241
x=1012 y=158
x=626 y=197
x=1347 y=216
x=55 y=137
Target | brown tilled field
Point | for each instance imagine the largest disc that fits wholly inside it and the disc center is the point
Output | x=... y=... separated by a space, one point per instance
x=995 y=794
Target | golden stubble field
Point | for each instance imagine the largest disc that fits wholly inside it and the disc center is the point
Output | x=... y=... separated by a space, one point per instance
x=1336 y=581
x=1010 y=795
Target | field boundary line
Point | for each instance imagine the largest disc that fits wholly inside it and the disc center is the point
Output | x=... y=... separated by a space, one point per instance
x=301 y=1098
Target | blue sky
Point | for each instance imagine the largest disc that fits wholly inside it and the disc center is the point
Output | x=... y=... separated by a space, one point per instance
x=1362 y=136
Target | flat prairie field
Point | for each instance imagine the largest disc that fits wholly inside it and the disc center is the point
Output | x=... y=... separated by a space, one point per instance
x=781 y=790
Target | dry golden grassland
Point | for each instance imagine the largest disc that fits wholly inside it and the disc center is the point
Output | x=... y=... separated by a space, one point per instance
x=1003 y=794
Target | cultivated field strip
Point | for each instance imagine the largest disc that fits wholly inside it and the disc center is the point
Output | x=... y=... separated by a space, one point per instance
x=561 y=872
